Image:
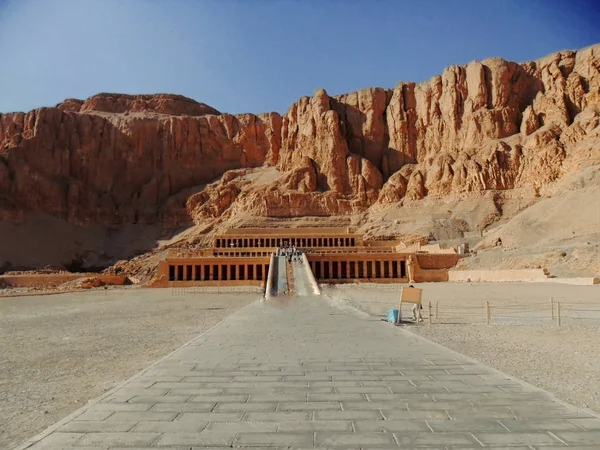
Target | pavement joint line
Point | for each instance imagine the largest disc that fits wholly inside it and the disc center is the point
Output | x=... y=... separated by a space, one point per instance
x=557 y=438
x=499 y=372
x=475 y=437
x=507 y=429
x=576 y=424
x=155 y=440
x=429 y=426
x=52 y=428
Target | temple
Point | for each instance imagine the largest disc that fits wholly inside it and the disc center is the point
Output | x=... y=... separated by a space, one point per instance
x=244 y=257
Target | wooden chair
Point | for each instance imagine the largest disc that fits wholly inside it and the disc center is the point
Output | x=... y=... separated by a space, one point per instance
x=410 y=295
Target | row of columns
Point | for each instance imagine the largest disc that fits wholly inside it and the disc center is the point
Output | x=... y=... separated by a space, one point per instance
x=280 y=242
x=243 y=254
x=217 y=272
x=327 y=270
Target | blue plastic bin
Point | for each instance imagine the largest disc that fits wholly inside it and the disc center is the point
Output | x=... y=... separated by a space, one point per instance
x=393 y=315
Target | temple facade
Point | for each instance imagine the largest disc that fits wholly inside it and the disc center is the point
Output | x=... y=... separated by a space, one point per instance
x=243 y=257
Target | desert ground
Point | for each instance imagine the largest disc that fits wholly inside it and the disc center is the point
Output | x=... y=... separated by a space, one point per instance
x=522 y=339
x=59 y=351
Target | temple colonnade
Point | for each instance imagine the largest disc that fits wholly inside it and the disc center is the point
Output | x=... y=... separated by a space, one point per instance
x=299 y=242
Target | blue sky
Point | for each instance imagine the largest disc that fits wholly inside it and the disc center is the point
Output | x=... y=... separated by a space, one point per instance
x=262 y=55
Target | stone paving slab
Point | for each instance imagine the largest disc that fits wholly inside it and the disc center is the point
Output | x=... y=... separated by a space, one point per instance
x=312 y=374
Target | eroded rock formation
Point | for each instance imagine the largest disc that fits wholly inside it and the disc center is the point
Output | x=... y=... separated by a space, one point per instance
x=108 y=166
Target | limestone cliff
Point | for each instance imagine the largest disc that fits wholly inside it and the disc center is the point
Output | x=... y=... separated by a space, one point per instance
x=123 y=159
x=489 y=126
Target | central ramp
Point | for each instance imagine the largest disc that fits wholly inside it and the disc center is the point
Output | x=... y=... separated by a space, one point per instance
x=289 y=276
x=277 y=283
x=304 y=280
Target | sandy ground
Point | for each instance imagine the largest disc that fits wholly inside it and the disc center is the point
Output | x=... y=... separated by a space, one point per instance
x=59 y=351
x=522 y=340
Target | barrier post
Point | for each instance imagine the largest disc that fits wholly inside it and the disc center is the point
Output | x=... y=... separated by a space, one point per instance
x=552 y=306
x=429 y=305
x=436 y=309
x=558 y=313
x=487 y=313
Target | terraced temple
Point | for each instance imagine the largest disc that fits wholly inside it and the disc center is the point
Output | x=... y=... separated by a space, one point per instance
x=245 y=257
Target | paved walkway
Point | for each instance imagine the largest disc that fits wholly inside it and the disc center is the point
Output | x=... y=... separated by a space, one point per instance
x=299 y=373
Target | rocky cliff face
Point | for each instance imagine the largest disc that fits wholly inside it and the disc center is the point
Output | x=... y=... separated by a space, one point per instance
x=164 y=159
x=491 y=125
x=120 y=159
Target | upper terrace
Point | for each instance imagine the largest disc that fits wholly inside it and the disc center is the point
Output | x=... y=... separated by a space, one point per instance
x=298 y=237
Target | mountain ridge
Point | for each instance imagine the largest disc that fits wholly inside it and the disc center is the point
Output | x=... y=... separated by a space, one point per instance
x=170 y=162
